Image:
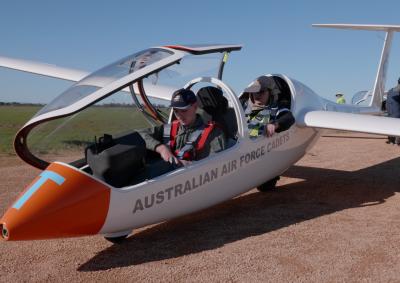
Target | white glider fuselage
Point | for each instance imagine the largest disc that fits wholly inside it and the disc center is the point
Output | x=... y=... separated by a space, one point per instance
x=211 y=181
x=247 y=164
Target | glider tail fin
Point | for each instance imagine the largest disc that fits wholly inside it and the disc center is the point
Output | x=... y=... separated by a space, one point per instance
x=380 y=80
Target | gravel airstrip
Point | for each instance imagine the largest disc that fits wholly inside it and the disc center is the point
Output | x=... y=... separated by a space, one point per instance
x=335 y=217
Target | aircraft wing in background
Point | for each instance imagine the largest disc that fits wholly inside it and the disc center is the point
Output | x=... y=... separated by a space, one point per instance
x=75 y=75
x=351 y=122
x=43 y=69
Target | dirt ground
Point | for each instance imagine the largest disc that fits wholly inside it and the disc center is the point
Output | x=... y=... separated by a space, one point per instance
x=334 y=218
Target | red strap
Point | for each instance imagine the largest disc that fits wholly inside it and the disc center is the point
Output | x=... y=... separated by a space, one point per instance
x=199 y=145
x=204 y=136
x=172 y=136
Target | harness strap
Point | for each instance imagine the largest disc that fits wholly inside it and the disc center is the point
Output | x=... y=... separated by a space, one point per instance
x=204 y=136
x=195 y=143
x=172 y=136
x=190 y=147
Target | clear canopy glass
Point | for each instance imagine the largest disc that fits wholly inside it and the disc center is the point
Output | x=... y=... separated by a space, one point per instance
x=105 y=76
x=66 y=138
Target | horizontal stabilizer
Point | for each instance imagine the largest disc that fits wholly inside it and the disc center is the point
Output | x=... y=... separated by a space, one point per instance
x=352 y=122
x=360 y=27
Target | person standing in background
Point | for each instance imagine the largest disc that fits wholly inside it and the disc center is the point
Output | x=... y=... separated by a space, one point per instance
x=340 y=98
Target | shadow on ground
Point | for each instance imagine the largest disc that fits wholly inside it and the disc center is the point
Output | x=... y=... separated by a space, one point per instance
x=322 y=192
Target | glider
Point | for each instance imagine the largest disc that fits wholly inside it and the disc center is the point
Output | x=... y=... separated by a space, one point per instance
x=102 y=188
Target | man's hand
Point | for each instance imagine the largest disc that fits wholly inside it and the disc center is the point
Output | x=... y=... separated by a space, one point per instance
x=270 y=129
x=168 y=156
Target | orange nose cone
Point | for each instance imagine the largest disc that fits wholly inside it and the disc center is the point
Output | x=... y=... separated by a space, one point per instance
x=60 y=202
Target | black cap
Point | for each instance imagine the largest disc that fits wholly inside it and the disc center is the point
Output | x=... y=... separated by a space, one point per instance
x=183 y=99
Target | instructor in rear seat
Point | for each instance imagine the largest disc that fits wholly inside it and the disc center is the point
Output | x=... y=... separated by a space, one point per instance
x=188 y=137
x=266 y=115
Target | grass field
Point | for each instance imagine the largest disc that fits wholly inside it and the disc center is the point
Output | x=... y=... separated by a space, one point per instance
x=70 y=133
x=12 y=118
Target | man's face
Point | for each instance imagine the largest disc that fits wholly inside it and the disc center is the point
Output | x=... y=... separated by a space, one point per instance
x=260 y=98
x=186 y=116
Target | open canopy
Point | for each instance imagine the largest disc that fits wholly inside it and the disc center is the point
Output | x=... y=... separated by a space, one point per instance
x=132 y=71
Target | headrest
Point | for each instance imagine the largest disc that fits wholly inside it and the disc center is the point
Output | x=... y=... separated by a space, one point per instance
x=212 y=100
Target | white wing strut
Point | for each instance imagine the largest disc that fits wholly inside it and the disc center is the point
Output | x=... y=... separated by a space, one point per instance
x=351 y=122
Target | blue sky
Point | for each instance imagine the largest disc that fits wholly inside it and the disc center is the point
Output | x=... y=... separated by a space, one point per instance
x=277 y=38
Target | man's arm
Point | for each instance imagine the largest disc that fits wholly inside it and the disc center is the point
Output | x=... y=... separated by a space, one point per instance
x=154 y=142
x=283 y=121
x=153 y=137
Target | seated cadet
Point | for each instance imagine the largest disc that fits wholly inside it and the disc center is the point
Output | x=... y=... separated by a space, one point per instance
x=266 y=115
x=188 y=137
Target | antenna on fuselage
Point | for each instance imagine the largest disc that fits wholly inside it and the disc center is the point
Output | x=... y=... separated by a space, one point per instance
x=380 y=80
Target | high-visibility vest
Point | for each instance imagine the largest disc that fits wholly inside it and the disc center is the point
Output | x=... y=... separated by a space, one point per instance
x=258 y=123
x=195 y=143
x=340 y=100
